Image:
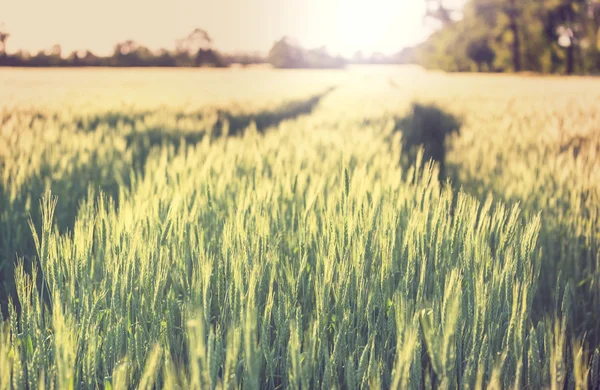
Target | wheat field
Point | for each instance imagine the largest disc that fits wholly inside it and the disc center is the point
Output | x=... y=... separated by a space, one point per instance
x=264 y=229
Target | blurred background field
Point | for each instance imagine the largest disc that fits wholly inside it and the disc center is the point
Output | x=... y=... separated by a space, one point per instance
x=109 y=88
x=382 y=226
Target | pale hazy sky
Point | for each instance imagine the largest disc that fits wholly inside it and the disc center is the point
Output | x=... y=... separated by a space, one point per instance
x=344 y=26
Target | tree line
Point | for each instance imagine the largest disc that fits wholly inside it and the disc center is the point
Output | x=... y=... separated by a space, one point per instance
x=194 y=50
x=546 y=36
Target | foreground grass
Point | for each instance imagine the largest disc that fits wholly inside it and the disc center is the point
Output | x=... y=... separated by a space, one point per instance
x=304 y=257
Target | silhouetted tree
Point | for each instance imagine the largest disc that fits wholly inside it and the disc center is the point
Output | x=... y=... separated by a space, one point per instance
x=437 y=10
x=4 y=35
x=209 y=57
x=87 y=58
x=53 y=55
x=286 y=54
x=125 y=53
x=73 y=59
x=195 y=41
x=196 y=50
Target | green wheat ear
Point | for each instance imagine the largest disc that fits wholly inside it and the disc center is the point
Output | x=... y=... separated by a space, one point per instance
x=209 y=197
x=346 y=182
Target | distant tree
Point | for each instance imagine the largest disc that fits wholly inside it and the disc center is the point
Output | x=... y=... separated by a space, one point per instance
x=593 y=36
x=196 y=50
x=566 y=25
x=194 y=42
x=124 y=51
x=4 y=35
x=209 y=57
x=23 y=54
x=53 y=56
x=320 y=58
x=73 y=59
x=447 y=48
x=437 y=10
x=56 y=50
x=40 y=59
x=480 y=52
x=87 y=58
x=503 y=16
x=144 y=56
x=512 y=11
x=164 y=58
x=127 y=47
x=130 y=53
x=287 y=54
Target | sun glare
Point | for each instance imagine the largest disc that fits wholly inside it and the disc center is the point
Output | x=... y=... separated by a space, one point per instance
x=378 y=25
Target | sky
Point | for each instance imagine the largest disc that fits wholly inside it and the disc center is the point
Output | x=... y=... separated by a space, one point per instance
x=343 y=26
